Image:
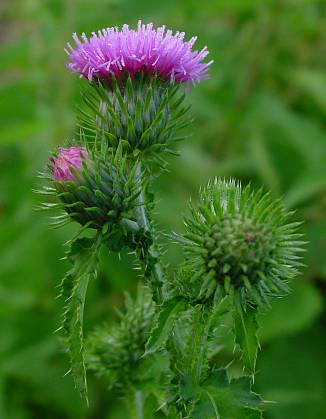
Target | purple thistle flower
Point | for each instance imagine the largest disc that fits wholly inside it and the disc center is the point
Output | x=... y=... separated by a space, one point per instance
x=66 y=159
x=158 y=51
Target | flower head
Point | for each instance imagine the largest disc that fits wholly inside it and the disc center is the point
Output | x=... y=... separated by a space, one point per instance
x=239 y=240
x=66 y=159
x=97 y=195
x=158 y=51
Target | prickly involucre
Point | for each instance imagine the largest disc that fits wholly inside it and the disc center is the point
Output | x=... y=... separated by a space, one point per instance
x=144 y=113
x=115 y=351
x=93 y=189
x=238 y=240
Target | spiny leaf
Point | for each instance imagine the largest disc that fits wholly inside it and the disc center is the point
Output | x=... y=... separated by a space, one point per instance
x=195 y=361
x=245 y=331
x=166 y=320
x=224 y=399
x=83 y=255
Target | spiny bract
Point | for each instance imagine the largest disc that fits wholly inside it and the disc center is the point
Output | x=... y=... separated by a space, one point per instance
x=143 y=112
x=238 y=240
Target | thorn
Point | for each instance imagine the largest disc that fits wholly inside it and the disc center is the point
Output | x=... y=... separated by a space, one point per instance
x=57 y=330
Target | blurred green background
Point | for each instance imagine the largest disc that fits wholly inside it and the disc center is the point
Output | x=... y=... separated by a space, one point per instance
x=261 y=117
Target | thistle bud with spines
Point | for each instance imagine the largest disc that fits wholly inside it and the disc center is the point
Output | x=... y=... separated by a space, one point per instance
x=238 y=241
x=115 y=351
x=97 y=190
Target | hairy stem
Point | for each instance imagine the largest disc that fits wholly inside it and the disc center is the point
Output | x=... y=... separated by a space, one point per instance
x=148 y=252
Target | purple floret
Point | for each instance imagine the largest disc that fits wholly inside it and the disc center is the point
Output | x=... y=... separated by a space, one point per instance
x=158 y=51
x=66 y=159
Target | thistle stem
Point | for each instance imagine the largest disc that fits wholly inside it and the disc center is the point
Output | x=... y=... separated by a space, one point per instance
x=148 y=252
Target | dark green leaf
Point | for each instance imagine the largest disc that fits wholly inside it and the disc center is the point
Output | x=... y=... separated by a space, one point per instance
x=83 y=255
x=224 y=399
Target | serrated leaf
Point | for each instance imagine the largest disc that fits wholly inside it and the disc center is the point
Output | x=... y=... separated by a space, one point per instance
x=188 y=390
x=83 y=255
x=221 y=307
x=206 y=408
x=224 y=399
x=245 y=331
x=166 y=320
x=153 y=376
x=195 y=353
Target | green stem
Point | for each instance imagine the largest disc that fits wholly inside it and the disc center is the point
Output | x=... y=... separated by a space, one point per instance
x=135 y=403
x=148 y=252
x=139 y=404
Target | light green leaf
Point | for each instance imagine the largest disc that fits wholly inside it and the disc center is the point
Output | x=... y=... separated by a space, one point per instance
x=167 y=317
x=245 y=331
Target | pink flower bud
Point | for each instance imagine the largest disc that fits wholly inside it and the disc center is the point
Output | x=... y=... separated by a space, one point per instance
x=67 y=158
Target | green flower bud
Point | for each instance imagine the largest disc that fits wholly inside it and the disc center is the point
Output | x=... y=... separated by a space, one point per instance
x=238 y=240
x=114 y=351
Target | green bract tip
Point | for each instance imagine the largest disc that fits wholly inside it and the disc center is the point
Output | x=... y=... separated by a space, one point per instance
x=238 y=240
x=144 y=112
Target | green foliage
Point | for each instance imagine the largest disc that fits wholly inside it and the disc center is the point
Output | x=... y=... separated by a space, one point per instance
x=83 y=255
x=221 y=398
x=191 y=350
x=151 y=385
x=165 y=322
x=245 y=331
x=117 y=354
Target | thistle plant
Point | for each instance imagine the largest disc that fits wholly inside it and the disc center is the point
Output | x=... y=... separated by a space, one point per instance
x=240 y=250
